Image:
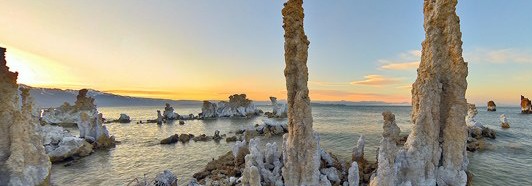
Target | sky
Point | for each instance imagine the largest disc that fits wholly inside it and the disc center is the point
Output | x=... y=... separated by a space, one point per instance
x=210 y=49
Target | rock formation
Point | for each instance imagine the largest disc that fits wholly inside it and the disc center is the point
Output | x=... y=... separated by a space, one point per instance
x=238 y=106
x=504 y=121
x=61 y=145
x=160 y=118
x=471 y=114
x=526 y=105
x=124 y=118
x=169 y=113
x=92 y=129
x=166 y=178
x=22 y=156
x=435 y=152
x=491 y=106
x=300 y=147
x=279 y=110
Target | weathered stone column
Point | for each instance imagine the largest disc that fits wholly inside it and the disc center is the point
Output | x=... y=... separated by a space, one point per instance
x=435 y=152
x=301 y=157
x=22 y=157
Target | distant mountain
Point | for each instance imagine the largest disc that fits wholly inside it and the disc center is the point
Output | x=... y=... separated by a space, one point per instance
x=50 y=97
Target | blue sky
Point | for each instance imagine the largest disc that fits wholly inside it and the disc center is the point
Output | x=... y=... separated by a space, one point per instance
x=359 y=51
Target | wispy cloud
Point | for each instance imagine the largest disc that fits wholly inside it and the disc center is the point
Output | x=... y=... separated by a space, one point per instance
x=401 y=66
x=500 y=56
x=333 y=84
x=140 y=92
x=409 y=86
x=376 y=80
x=404 y=61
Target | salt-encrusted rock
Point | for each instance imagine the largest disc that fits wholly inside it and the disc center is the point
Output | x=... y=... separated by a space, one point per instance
x=169 y=113
x=124 y=118
x=353 y=176
x=279 y=110
x=504 y=121
x=437 y=142
x=160 y=117
x=22 y=156
x=92 y=128
x=491 y=106
x=69 y=147
x=166 y=178
x=69 y=114
x=526 y=105
x=172 y=139
x=471 y=114
x=324 y=181
x=238 y=106
x=358 y=151
x=435 y=152
x=300 y=147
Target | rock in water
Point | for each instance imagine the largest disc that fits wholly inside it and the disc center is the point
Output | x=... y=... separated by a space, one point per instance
x=300 y=147
x=491 y=106
x=22 y=156
x=159 y=117
x=238 y=106
x=435 y=152
x=470 y=118
x=353 y=177
x=124 y=118
x=504 y=121
x=166 y=178
x=169 y=113
x=279 y=109
x=526 y=105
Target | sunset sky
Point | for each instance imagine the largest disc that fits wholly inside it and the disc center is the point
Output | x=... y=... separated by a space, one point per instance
x=359 y=50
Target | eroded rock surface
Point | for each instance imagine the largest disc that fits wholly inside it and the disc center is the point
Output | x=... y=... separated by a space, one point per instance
x=23 y=160
x=300 y=147
x=491 y=106
x=526 y=105
x=435 y=152
x=504 y=121
x=279 y=110
x=238 y=106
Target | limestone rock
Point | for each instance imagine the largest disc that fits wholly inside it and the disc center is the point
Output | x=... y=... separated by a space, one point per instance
x=358 y=151
x=491 y=106
x=238 y=106
x=353 y=176
x=92 y=128
x=22 y=156
x=504 y=121
x=70 y=114
x=169 y=113
x=166 y=178
x=435 y=152
x=471 y=114
x=279 y=110
x=69 y=147
x=526 y=105
x=124 y=118
x=160 y=117
x=300 y=147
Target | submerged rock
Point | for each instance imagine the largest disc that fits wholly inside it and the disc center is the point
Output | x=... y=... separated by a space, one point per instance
x=491 y=106
x=22 y=156
x=238 y=106
x=172 y=139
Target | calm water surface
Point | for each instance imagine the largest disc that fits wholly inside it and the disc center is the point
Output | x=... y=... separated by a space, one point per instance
x=506 y=161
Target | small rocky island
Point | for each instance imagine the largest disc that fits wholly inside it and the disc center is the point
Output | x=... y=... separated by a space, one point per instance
x=238 y=106
x=526 y=105
x=491 y=106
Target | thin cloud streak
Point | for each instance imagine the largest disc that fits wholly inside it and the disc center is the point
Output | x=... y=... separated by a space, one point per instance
x=376 y=80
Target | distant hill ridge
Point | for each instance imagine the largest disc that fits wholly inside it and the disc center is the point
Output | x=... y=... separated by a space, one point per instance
x=53 y=97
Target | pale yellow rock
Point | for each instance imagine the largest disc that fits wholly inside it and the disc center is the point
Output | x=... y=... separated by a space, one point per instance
x=435 y=151
x=301 y=155
x=22 y=157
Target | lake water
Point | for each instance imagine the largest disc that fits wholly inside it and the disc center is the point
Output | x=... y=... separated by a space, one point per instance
x=506 y=160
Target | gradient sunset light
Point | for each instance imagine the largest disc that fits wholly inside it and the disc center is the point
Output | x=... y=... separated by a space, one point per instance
x=196 y=50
